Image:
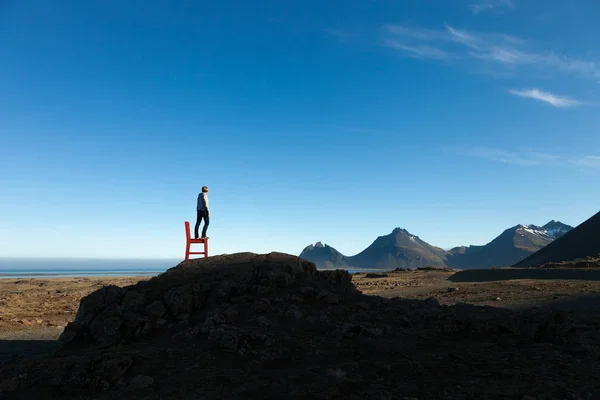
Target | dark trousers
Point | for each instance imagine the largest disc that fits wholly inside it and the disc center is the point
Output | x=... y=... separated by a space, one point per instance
x=199 y=217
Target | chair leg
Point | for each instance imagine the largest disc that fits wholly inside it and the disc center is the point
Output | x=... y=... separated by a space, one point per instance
x=187 y=251
x=205 y=248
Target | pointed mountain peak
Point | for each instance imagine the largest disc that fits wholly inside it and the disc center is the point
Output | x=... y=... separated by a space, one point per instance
x=556 y=224
x=308 y=248
x=521 y=226
x=398 y=230
x=324 y=256
x=318 y=245
x=557 y=229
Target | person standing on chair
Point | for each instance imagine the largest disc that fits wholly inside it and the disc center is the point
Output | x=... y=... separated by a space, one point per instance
x=203 y=212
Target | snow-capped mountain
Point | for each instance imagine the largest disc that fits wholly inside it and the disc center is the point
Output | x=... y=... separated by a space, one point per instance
x=556 y=229
x=577 y=243
x=533 y=229
x=552 y=229
x=512 y=246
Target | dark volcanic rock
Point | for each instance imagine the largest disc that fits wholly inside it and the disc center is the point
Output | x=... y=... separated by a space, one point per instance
x=156 y=309
x=91 y=305
x=376 y=275
x=181 y=300
x=184 y=292
x=261 y=305
x=433 y=268
x=133 y=300
x=248 y=326
x=106 y=326
x=141 y=382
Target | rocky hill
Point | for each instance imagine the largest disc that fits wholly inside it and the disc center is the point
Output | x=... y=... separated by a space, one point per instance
x=581 y=242
x=247 y=326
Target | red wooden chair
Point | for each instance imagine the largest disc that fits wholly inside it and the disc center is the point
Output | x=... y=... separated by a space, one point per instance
x=189 y=241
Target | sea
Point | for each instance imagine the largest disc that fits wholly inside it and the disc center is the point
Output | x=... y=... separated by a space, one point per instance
x=23 y=268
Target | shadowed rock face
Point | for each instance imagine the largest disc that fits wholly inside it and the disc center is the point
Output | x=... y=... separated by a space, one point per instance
x=271 y=326
x=185 y=292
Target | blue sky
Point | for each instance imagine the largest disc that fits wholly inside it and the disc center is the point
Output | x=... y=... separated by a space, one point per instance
x=308 y=120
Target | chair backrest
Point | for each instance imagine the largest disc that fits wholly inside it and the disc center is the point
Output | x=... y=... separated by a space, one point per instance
x=187 y=230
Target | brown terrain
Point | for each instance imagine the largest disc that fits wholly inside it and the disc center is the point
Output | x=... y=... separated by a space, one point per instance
x=30 y=307
x=272 y=326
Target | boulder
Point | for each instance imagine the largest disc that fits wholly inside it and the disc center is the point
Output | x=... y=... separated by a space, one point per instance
x=133 y=300
x=156 y=309
x=182 y=300
x=94 y=303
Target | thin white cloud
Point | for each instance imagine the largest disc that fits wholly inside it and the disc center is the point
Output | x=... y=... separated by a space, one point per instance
x=341 y=34
x=477 y=8
x=506 y=157
x=589 y=161
x=491 y=5
x=422 y=34
x=547 y=97
x=526 y=158
x=419 y=51
x=584 y=67
x=463 y=37
x=492 y=49
x=508 y=56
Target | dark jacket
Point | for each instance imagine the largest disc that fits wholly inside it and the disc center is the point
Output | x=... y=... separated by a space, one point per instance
x=202 y=202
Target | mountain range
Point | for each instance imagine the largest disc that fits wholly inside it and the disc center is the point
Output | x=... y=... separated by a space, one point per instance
x=401 y=249
x=581 y=242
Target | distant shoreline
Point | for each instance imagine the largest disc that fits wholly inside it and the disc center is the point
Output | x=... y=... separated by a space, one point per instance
x=29 y=268
x=50 y=275
x=116 y=273
x=25 y=268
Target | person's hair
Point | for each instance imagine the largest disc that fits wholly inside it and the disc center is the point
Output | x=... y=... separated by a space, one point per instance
x=205 y=188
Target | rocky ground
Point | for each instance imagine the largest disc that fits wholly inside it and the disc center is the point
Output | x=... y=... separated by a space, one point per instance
x=46 y=304
x=587 y=262
x=512 y=289
x=271 y=326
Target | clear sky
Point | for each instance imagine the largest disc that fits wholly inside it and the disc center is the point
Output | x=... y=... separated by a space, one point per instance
x=308 y=120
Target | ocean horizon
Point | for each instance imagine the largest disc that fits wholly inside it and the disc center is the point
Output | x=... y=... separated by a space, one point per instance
x=81 y=267
x=23 y=268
